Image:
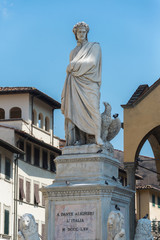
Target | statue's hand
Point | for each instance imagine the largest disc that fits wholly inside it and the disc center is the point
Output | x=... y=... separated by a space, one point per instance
x=69 y=68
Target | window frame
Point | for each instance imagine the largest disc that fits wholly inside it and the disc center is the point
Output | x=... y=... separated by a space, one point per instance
x=2 y=111
x=8 y=178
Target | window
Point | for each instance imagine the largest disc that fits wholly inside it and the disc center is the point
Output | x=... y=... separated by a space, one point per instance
x=47 y=124
x=2 y=113
x=36 y=194
x=52 y=163
x=153 y=200
x=28 y=152
x=36 y=156
x=20 y=144
x=19 y=227
x=6 y=222
x=15 y=112
x=40 y=121
x=7 y=169
x=43 y=199
x=21 y=189
x=158 y=202
x=0 y=163
x=34 y=117
x=45 y=159
x=28 y=191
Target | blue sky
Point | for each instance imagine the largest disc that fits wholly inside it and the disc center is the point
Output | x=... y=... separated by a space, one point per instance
x=36 y=39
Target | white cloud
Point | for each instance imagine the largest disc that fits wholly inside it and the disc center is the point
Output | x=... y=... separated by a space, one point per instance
x=5 y=6
x=5 y=12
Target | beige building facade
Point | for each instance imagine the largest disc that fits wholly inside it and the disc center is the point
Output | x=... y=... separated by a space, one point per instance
x=27 y=124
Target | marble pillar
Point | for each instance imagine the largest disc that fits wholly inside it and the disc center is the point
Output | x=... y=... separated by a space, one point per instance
x=130 y=168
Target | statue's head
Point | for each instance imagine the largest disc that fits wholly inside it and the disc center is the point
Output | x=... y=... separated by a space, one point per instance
x=81 y=30
x=115 y=223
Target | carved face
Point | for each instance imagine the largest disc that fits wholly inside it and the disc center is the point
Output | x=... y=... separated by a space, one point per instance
x=81 y=34
x=111 y=225
x=26 y=222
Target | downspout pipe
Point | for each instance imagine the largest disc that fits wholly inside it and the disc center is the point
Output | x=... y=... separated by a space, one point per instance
x=15 y=229
x=53 y=126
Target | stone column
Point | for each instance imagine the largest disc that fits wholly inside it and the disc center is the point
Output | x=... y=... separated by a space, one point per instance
x=130 y=168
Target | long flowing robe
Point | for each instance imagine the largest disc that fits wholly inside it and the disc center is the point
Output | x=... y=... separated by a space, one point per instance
x=81 y=92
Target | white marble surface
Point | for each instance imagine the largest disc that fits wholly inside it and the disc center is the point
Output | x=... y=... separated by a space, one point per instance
x=81 y=93
x=81 y=181
x=115 y=226
x=28 y=228
x=143 y=230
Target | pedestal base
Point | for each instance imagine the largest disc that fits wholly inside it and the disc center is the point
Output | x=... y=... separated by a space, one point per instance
x=86 y=189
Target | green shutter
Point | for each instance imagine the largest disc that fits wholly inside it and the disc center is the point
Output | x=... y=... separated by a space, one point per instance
x=158 y=202
x=153 y=200
x=6 y=222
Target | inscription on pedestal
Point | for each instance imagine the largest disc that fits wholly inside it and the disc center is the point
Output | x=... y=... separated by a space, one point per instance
x=75 y=222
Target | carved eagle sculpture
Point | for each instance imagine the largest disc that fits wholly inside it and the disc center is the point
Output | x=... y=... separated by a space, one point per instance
x=109 y=127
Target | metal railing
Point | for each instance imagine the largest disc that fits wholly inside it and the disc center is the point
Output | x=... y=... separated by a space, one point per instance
x=156 y=229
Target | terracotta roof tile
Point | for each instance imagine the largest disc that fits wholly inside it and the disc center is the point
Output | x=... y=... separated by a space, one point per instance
x=140 y=93
x=31 y=90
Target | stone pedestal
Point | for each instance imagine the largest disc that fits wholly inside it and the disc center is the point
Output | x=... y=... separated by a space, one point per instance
x=85 y=190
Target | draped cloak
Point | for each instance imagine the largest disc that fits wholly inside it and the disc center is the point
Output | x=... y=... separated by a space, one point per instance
x=81 y=92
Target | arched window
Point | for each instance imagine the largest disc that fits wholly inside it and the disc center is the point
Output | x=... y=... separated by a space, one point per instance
x=15 y=112
x=40 y=120
x=34 y=117
x=2 y=113
x=47 y=124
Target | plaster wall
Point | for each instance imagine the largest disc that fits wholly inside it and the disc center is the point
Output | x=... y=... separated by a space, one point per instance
x=34 y=175
x=154 y=210
x=138 y=121
x=142 y=201
x=7 y=135
x=15 y=100
x=6 y=190
x=43 y=108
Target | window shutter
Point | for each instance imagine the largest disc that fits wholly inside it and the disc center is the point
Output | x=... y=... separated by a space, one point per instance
x=43 y=200
x=6 y=222
x=28 y=188
x=21 y=190
x=43 y=231
x=36 y=194
x=19 y=220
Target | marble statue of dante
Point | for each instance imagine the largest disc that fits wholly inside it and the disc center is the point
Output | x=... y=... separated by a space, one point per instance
x=81 y=92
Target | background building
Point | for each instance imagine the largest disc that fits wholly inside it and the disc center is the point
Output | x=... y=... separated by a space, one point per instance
x=26 y=157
